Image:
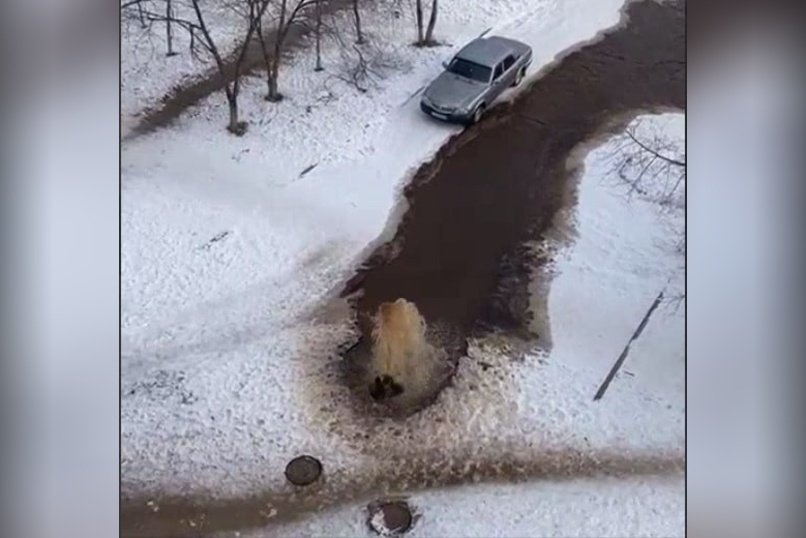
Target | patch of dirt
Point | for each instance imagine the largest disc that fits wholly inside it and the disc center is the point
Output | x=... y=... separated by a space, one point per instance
x=174 y=517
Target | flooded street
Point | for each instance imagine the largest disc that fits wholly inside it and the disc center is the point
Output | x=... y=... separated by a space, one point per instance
x=463 y=254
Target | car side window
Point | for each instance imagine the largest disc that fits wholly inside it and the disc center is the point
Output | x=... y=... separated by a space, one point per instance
x=499 y=70
x=508 y=61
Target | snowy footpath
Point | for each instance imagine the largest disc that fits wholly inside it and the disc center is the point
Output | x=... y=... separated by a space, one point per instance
x=231 y=253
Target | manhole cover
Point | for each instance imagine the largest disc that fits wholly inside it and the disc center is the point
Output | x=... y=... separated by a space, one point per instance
x=390 y=518
x=303 y=470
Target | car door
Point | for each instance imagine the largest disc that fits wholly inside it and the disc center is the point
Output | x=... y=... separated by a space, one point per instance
x=509 y=70
x=498 y=84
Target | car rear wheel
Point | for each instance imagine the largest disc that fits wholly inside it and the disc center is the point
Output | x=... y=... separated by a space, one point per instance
x=519 y=76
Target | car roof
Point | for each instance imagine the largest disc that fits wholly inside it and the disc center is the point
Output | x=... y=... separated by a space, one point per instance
x=486 y=51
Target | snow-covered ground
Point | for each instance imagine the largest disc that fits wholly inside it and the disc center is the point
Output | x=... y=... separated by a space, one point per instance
x=630 y=243
x=229 y=252
x=623 y=254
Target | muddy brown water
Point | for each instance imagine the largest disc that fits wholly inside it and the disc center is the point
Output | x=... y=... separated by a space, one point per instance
x=154 y=517
x=461 y=256
x=463 y=251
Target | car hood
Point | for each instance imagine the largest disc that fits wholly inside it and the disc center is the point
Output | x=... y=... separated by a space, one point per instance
x=452 y=91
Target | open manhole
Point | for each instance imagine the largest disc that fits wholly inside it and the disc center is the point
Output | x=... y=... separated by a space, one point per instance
x=390 y=518
x=303 y=470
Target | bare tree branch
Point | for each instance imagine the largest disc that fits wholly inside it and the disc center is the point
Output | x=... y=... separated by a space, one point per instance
x=646 y=162
x=652 y=151
x=132 y=3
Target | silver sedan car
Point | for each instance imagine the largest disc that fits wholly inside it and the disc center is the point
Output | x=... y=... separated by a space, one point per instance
x=473 y=78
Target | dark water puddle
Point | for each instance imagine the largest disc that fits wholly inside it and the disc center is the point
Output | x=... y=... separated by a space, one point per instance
x=464 y=252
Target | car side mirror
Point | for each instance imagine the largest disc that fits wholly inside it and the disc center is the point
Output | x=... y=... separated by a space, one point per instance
x=445 y=64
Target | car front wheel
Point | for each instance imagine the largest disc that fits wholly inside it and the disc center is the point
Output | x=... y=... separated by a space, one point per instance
x=477 y=114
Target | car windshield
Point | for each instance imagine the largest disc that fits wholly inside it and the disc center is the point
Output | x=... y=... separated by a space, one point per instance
x=470 y=70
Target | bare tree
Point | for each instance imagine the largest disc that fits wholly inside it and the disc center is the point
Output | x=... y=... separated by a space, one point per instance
x=356 y=72
x=169 y=14
x=139 y=6
x=647 y=163
x=359 y=36
x=426 y=39
x=432 y=22
x=418 y=13
x=362 y=66
x=268 y=59
x=256 y=9
x=287 y=17
x=201 y=37
x=318 y=32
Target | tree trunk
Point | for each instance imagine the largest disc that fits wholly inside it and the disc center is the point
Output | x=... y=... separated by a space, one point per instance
x=432 y=21
x=274 y=69
x=234 y=126
x=274 y=73
x=318 y=36
x=359 y=36
x=266 y=57
x=232 y=96
x=169 y=29
x=419 y=17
